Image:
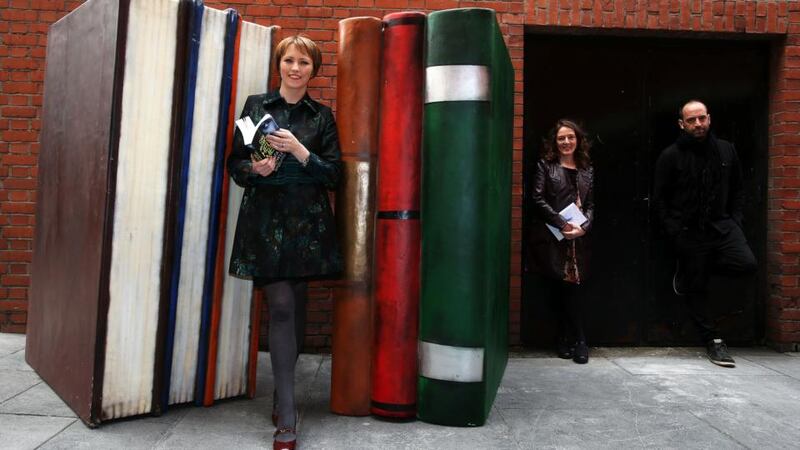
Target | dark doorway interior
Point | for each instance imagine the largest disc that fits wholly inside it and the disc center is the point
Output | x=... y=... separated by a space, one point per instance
x=626 y=92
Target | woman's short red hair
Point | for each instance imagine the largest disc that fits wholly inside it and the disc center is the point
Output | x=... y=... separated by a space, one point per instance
x=303 y=44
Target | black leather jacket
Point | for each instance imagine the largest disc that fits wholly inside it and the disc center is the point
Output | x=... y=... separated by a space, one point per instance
x=552 y=192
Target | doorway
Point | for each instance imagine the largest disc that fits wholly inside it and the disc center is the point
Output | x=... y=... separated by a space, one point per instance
x=626 y=92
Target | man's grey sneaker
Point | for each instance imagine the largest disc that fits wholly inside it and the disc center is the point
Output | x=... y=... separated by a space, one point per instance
x=677 y=280
x=718 y=353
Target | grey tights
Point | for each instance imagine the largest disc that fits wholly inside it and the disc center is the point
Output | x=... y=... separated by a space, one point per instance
x=286 y=301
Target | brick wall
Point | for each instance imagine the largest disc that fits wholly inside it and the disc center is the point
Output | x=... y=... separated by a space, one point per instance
x=23 y=36
x=23 y=27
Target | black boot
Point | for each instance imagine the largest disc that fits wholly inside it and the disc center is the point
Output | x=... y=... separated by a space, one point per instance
x=581 y=355
x=565 y=348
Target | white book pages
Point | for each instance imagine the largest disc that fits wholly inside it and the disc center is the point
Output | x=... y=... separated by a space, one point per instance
x=138 y=224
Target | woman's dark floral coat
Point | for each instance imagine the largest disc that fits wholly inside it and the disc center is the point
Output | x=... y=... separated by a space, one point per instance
x=285 y=227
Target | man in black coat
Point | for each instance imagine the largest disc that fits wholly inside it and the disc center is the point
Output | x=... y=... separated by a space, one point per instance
x=698 y=196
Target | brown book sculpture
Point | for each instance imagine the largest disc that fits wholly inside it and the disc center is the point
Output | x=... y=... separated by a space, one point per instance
x=358 y=83
x=102 y=253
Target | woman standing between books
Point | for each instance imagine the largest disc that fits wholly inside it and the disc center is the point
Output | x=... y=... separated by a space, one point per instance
x=285 y=233
x=564 y=176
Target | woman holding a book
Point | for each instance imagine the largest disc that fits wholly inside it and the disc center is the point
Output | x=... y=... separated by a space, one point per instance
x=285 y=233
x=563 y=202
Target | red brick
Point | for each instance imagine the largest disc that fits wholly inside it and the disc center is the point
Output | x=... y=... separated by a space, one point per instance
x=18 y=111
x=55 y=5
x=17 y=232
x=19 y=244
x=12 y=328
x=790 y=247
x=21 y=160
x=13 y=183
x=21 y=88
x=18 y=294
x=19 y=208
x=18 y=317
x=18 y=196
x=21 y=219
x=15 y=280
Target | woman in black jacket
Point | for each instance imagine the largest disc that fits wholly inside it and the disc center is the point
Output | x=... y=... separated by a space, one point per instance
x=285 y=231
x=561 y=251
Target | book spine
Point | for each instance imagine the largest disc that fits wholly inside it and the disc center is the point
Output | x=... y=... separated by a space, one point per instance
x=466 y=192
x=358 y=81
x=397 y=224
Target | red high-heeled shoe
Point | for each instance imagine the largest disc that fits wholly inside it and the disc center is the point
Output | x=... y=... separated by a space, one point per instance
x=284 y=445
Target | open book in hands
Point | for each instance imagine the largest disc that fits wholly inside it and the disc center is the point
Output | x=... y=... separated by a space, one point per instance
x=245 y=124
x=573 y=215
x=262 y=149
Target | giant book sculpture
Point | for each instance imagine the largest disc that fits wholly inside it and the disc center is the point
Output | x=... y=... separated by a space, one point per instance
x=204 y=128
x=466 y=213
x=235 y=314
x=357 y=86
x=397 y=225
x=105 y=212
x=131 y=308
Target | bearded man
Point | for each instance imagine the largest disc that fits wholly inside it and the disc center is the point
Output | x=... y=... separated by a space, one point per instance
x=698 y=196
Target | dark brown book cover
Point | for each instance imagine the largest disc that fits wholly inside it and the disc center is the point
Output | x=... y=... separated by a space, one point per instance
x=64 y=323
x=70 y=296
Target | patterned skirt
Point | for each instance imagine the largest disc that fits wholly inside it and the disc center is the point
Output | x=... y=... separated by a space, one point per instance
x=285 y=232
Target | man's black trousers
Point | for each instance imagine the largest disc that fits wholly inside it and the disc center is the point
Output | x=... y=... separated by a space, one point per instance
x=701 y=253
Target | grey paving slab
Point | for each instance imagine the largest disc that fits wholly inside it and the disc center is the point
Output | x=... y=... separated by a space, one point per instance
x=211 y=427
x=40 y=400
x=135 y=433
x=614 y=428
x=240 y=414
x=758 y=411
x=684 y=365
x=14 y=382
x=558 y=383
x=774 y=391
x=28 y=432
x=319 y=429
x=11 y=343
x=780 y=363
x=15 y=361
x=757 y=351
x=219 y=440
x=246 y=420
x=754 y=427
x=619 y=352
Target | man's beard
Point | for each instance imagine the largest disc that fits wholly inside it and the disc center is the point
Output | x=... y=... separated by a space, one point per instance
x=698 y=134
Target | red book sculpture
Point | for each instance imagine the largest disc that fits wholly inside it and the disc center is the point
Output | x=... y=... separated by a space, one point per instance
x=397 y=225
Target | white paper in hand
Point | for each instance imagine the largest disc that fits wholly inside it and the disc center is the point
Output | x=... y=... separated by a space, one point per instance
x=573 y=215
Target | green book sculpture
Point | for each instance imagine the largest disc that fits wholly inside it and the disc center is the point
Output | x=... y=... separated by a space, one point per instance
x=466 y=213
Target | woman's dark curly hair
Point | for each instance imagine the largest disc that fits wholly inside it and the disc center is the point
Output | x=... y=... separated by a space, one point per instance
x=550 y=147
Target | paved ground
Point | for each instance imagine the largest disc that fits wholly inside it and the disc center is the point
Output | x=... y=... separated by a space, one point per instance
x=624 y=398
